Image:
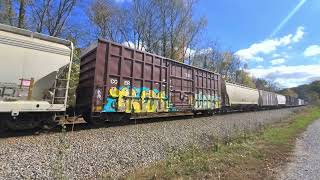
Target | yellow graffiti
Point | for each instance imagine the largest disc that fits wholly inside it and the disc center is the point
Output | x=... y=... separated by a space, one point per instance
x=129 y=100
x=114 y=92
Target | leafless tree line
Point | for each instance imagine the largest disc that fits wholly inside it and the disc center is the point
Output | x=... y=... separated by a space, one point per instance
x=43 y=16
x=165 y=27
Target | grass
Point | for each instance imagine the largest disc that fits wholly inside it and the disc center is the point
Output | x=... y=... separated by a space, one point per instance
x=250 y=156
x=283 y=134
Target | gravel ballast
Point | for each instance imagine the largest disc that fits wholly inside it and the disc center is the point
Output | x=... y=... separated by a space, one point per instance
x=306 y=162
x=112 y=151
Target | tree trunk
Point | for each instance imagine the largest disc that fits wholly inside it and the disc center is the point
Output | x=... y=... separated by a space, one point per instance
x=22 y=13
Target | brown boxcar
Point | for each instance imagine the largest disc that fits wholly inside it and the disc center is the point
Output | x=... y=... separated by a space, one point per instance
x=115 y=79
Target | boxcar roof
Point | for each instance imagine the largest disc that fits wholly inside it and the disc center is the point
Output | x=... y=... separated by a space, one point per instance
x=94 y=45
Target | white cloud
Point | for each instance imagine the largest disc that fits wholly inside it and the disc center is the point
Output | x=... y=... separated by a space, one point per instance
x=299 y=34
x=268 y=46
x=289 y=76
x=278 y=61
x=313 y=50
x=189 y=52
x=276 y=55
x=134 y=45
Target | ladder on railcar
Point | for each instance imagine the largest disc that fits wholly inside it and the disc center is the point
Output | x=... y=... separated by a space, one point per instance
x=60 y=88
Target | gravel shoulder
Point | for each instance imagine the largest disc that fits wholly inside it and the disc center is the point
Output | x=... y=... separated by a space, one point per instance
x=306 y=161
x=89 y=154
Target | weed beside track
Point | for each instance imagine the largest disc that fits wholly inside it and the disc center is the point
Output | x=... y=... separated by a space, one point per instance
x=247 y=156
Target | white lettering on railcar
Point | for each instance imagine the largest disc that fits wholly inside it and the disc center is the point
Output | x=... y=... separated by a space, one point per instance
x=188 y=75
x=113 y=81
x=127 y=83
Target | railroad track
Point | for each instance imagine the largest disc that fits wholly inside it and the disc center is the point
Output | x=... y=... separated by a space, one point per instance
x=89 y=151
x=78 y=124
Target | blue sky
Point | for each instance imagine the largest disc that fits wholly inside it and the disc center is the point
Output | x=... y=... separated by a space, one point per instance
x=278 y=39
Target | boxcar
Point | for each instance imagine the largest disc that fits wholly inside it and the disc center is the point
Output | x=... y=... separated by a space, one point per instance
x=267 y=99
x=120 y=82
x=236 y=96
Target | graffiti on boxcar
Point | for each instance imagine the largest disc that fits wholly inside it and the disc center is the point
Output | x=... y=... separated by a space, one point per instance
x=127 y=99
x=205 y=101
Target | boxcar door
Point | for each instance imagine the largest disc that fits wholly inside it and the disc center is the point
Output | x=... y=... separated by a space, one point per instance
x=181 y=87
x=136 y=81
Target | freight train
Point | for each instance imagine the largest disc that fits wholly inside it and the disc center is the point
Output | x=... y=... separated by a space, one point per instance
x=116 y=83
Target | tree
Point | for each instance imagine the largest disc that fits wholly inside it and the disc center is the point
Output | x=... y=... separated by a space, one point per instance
x=163 y=27
x=50 y=16
x=245 y=79
x=6 y=12
x=22 y=13
x=178 y=27
x=289 y=92
x=261 y=83
x=101 y=13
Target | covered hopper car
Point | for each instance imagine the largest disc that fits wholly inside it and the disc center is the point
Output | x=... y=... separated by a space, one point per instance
x=238 y=97
x=34 y=78
x=281 y=100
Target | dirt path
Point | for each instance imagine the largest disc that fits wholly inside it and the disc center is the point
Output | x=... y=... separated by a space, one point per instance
x=306 y=163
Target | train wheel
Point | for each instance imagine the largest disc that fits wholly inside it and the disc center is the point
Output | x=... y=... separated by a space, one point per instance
x=49 y=122
x=118 y=117
x=3 y=126
x=23 y=122
x=94 y=120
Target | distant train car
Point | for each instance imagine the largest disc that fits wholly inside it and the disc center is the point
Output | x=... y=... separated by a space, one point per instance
x=291 y=101
x=281 y=100
x=267 y=99
x=300 y=102
x=239 y=97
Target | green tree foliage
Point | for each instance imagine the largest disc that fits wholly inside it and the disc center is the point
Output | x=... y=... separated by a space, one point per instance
x=245 y=79
x=310 y=92
x=74 y=78
x=289 y=92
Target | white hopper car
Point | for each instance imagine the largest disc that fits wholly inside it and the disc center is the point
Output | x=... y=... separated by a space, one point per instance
x=34 y=78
